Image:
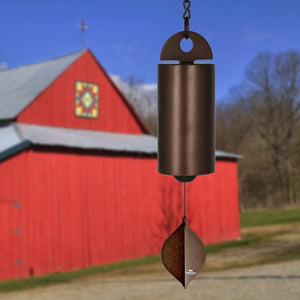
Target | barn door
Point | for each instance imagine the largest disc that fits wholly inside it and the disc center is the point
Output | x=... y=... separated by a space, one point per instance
x=10 y=240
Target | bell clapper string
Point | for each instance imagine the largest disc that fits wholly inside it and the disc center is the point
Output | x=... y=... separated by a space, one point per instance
x=184 y=216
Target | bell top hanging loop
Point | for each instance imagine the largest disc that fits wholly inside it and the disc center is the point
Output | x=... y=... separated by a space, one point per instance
x=172 y=51
x=187 y=28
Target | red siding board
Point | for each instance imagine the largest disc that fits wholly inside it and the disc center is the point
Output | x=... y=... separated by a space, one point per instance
x=55 y=106
x=6 y=261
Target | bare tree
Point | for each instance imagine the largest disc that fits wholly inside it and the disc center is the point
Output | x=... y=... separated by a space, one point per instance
x=274 y=109
x=261 y=120
x=143 y=101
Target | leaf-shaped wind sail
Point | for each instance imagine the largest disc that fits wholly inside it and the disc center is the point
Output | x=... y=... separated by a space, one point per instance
x=183 y=254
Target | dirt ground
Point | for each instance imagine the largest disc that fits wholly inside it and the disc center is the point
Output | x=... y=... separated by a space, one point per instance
x=268 y=281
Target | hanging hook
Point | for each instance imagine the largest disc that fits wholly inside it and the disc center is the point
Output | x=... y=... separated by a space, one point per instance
x=187 y=27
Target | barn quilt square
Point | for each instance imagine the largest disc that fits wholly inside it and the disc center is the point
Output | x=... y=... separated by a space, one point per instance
x=86 y=100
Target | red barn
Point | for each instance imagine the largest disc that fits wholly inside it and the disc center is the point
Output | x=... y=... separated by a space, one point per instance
x=78 y=175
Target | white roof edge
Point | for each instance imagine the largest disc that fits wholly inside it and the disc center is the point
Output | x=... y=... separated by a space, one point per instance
x=16 y=134
x=223 y=154
x=88 y=139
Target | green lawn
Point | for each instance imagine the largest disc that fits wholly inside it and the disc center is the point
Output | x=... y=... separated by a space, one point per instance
x=268 y=217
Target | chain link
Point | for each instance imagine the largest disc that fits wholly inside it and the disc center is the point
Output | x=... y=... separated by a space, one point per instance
x=186 y=17
x=187 y=12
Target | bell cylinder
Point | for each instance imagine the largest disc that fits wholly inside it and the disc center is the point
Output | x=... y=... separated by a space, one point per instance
x=186 y=119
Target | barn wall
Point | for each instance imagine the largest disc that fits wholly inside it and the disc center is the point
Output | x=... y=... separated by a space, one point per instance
x=55 y=106
x=78 y=210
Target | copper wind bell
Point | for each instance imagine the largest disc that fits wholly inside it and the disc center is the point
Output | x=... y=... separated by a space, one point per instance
x=186 y=136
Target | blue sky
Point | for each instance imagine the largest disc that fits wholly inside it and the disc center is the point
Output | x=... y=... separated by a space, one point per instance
x=127 y=36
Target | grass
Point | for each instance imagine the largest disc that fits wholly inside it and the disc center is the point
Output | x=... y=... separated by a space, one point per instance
x=248 y=219
x=286 y=255
x=289 y=254
x=269 y=217
x=245 y=241
x=57 y=278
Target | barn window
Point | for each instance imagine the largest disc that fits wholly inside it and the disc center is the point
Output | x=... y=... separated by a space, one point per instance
x=86 y=99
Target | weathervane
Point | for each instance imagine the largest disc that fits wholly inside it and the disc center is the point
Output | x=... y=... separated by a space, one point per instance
x=186 y=136
x=82 y=26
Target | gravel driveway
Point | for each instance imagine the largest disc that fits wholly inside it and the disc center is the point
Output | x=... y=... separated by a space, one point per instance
x=276 y=281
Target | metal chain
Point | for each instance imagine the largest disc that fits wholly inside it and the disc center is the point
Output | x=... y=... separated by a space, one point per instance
x=186 y=17
x=187 y=12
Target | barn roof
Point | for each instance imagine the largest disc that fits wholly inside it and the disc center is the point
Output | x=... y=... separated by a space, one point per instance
x=15 y=137
x=21 y=85
x=87 y=139
x=10 y=141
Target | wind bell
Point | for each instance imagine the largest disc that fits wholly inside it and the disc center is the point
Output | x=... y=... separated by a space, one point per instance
x=186 y=136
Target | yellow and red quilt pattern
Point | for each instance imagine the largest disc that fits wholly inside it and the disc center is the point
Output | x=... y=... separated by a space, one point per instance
x=86 y=99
